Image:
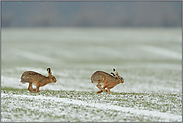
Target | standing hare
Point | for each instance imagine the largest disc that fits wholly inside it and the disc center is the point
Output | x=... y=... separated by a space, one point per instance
x=37 y=79
x=108 y=80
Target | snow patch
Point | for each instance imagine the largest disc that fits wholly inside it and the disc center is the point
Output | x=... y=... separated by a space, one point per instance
x=161 y=51
x=166 y=116
x=36 y=57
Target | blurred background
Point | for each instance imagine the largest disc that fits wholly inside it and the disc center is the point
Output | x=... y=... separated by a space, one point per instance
x=142 y=40
x=87 y=14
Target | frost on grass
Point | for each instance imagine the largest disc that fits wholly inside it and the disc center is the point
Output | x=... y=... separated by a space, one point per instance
x=87 y=106
x=152 y=77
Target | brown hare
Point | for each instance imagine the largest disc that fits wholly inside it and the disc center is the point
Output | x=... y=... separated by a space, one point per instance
x=108 y=80
x=37 y=79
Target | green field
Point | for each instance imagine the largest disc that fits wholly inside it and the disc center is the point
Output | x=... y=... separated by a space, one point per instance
x=79 y=106
x=149 y=60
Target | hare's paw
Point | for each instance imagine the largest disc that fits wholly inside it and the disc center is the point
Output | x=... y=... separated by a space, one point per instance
x=104 y=90
x=34 y=91
x=108 y=90
x=99 y=91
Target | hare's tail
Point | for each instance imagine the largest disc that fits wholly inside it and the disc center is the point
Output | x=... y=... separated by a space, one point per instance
x=23 y=82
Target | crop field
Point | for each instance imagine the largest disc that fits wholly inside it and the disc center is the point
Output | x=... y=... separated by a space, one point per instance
x=149 y=60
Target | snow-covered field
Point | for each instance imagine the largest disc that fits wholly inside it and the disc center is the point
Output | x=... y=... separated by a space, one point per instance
x=149 y=60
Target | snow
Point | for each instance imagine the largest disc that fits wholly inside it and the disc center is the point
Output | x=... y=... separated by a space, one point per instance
x=35 y=56
x=149 y=61
x=166 y=116
x=161 y=51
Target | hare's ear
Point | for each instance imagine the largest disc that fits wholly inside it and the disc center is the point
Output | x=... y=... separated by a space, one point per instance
x=113 y=74
x=49 y=71
x=115 y=71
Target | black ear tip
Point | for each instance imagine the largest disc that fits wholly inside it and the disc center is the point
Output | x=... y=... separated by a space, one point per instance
x=48 y=69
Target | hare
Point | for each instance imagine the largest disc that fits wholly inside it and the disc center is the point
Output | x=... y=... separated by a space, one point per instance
x=107 y=79
x=37 y=79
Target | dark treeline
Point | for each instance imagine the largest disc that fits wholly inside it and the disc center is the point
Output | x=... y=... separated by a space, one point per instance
x=84 y=14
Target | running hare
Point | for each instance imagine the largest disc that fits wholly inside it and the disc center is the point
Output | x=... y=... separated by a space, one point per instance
x=108 y=80
x=37 y=79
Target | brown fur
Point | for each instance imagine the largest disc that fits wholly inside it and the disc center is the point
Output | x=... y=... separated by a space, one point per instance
x=107 y=79
x=39 y=80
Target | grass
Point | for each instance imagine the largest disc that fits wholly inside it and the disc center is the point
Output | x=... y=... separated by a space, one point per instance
x=56 y=111
x=152 y=79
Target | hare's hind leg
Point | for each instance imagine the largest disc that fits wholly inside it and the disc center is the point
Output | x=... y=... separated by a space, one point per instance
x=105 y=89
x=100 y=87
x=30 y=87
x=37 y=87
x=99 y=91
x=108 y=90
x=36 y=90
